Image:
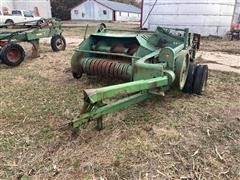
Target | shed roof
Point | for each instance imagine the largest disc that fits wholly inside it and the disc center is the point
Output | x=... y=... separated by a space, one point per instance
x=117 y=6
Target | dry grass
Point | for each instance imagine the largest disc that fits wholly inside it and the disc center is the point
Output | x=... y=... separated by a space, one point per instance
x=173 y=137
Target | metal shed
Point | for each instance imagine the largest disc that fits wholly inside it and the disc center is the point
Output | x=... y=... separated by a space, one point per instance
x=105 y=10
x=207 y=17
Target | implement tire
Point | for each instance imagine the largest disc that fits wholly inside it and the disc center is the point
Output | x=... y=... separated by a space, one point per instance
x=188 y=87
x=77 y=75
x=200 y=81
x=12 y=54
x=58 y=43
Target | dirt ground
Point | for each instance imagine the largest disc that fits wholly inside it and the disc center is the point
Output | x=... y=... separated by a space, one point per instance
x=179 y=136
x=220 y=54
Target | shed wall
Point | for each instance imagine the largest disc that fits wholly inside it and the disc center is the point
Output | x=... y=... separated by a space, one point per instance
x=90 y=10
x=207 y=17
x=126 y=16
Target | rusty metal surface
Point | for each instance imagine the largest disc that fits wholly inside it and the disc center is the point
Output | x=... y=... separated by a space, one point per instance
x=118 y=48
x=132 y=48
x=106 y=67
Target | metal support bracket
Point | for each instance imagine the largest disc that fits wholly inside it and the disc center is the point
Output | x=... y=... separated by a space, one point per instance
x=98 y=112
x=35 y=48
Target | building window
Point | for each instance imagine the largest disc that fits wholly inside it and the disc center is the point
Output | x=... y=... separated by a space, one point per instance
x=120 y=14
x=76 y=12
x=104 y=12
x=83 y=15
x=128 y=14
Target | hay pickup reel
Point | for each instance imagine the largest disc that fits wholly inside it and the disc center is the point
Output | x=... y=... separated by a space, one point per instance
x=152 y=63
x=13 y=54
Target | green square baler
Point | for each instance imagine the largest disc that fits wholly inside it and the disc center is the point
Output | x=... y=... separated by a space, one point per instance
x=151 y=63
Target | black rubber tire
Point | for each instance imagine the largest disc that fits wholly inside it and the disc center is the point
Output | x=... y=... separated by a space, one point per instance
x=1 y=61
x=188 y=87
x=54 y=43
x=18 y=49
x=101 y=27
x=200 y=81
x=77 y=75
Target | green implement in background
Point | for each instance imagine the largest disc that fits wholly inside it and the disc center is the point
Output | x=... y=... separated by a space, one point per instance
x=13 y=54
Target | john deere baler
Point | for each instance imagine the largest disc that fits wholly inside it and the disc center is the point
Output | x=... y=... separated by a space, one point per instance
x=151 y=63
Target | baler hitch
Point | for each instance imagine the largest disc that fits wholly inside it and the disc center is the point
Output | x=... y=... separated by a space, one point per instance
x=94 y=108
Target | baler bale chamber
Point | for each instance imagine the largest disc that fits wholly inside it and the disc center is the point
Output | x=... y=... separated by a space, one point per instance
x=151 y=63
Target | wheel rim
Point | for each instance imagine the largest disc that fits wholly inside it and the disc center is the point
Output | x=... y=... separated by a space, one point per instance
x=182 y=66
x=183 y=73
x=101 y=27
x=60 y=44
x=13 y=55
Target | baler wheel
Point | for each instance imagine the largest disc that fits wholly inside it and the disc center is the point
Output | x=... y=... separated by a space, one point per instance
x=77 y=72
x=101 y=27
x=58 y=43
x=182 y=66
x=77 y=75
x=12 y=54
x=200 y=81
x=188 y=88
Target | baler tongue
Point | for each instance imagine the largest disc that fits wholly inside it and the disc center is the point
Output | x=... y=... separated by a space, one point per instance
x=97 y=95
x=153 y=62
x=139 y=91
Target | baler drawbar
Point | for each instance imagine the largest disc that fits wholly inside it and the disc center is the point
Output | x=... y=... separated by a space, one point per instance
x=152 y=63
